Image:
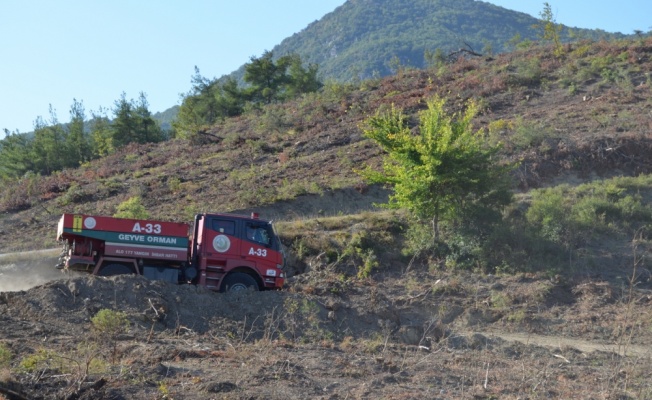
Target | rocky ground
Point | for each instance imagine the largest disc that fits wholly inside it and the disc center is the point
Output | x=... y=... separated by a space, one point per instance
x=416 y=334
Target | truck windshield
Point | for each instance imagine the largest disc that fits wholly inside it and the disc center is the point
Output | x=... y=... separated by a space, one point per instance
x=259 y=233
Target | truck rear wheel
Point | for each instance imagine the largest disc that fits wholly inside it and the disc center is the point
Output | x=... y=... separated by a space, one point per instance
x=115 y=269
x=238 y=281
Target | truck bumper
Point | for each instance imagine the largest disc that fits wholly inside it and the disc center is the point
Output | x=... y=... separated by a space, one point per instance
x=272 y=282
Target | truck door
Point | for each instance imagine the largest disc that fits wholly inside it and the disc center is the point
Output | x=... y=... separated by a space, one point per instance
x=220 y=238
x=258 y=241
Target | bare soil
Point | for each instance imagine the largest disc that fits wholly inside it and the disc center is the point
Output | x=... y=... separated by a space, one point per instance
x=398 y=336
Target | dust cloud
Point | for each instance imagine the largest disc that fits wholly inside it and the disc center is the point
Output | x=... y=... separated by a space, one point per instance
x=22 y=271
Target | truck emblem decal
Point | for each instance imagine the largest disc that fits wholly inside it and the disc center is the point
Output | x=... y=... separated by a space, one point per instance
x=90 y=223
x=221 y=243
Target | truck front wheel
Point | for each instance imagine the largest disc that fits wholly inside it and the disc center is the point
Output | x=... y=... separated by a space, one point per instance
x=115 y=269
x=238 y=281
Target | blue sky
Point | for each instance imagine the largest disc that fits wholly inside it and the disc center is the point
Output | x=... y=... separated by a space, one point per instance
x=55 y=51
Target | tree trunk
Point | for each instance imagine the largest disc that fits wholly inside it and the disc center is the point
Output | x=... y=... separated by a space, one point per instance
x=435 y=228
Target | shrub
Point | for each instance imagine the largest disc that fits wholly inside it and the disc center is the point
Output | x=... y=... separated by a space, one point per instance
x=301 y=320
x=464 y=252
x=528 y=73
x=81 y=361
x=111 y=185
x=334 y=91
x=174 y=184
x=74 y=194
x=109 y=324
x=500 y=126
x=42 y=359
x=419 y=238
x=531 y=135
x=15 y=197
x=360 y=250
x=5 y=355
x=132 y=208
x=567 y=215
x=547 y=214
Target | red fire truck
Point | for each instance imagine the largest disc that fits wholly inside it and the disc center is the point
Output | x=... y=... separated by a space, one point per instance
x=223 y=251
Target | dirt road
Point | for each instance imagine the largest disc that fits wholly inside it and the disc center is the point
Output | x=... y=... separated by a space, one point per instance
x=560 y=343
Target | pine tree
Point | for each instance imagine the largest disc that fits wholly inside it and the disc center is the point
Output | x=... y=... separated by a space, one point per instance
x=124 y=124
x=266 y=78
x=101 y=134
x=148 y=130
x=15 y=155
x=77 y=141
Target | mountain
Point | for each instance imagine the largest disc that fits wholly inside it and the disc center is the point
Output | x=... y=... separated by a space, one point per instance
x=165 y=118
x=363 y=38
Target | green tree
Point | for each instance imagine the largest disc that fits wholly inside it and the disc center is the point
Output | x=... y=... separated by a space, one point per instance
x=444 y=172
x=77 y=140
x=148 y=131
x=271 y=81
x=549 y=29
x=49 y=145
x=208 y=102
x=301 y=79
x=197 y=108
x=211 y=101
x=124 y=123
x=204 y=101
x=101 y=134
x=229 y=99
x=133 y=122
x=434 y=59
x=15 y=155
x=266 y=78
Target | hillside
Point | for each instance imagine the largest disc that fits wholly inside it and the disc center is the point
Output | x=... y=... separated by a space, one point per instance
x=549 y=322
x=586 y=116
x=364 y=39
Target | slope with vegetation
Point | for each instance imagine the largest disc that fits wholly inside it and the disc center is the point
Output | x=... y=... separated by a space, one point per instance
x=54 y=146
x=386 y=308
x=363 y=39
x=583 y=112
